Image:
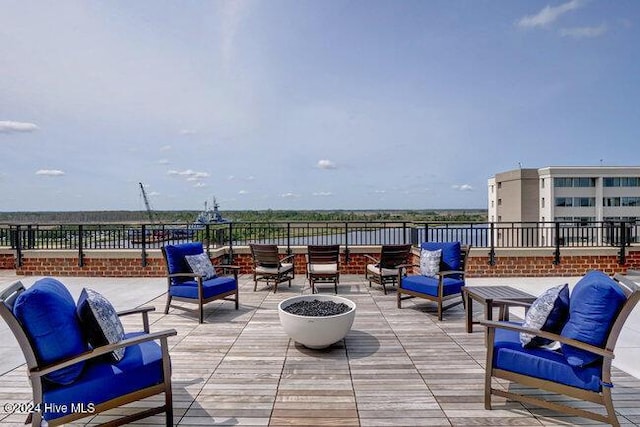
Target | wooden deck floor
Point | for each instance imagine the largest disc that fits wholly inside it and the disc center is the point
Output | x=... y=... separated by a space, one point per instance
x=395 y=368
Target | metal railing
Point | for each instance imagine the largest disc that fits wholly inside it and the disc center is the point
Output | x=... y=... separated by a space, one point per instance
x=556 y=235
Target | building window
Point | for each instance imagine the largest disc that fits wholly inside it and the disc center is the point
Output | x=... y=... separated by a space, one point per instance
x=630 y=201
x=542 y=202
x=584 y=201
x=499 y=185
x=574 y=182
x=499 y=202
x=621 y=182
x=542 y=183
x=564 y=202
x=610 y=201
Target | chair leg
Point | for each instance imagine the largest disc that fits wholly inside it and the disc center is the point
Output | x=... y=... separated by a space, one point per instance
x=398 y=298
x=237 y=299
x=608 y=404
x=166 y=307
x=440 y=310
x=201 y=313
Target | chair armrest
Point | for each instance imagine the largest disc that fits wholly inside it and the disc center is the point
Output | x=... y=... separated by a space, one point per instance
x=450 y=273
x=193 y=275
x=227 y=266
x=136 y=310
x=549 y=335
x=408 y=265
x=288 y=257
x=371 y=258
x=142 y=310
x=102 y=350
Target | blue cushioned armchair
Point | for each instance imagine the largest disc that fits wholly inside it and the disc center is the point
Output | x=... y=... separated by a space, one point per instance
x=447 y=283
x=72 y=380
x=186 y=286
x=598 y=307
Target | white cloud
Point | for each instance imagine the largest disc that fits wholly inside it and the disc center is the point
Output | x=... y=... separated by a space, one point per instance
x=163 y=161
x=584 y=32
x=200 y=184
x=49 y=172
x=548 y=15
x=231 y=178
x=15 y=127
x=153 y=194
x=189 y=174
x=165 y=148
x=188 y=132
x=243 y=192
x=323 y=193
x=326 y=164
x=462 y=187
x=289 y=195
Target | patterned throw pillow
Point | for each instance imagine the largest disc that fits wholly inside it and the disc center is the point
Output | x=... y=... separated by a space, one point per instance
x=549 y=312
x=99 y=321
x=201 y=265
x=430 y=262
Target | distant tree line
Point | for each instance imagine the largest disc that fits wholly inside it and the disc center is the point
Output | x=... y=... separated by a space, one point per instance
x=269 y=215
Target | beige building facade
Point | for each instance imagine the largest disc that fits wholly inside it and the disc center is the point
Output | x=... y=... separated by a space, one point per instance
x=571 y=193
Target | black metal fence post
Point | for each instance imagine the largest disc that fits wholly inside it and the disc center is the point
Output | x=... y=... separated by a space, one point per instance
x=404 y=233
x=414 y=235
x=18 y=242
x=492 y=250
x=80 y=245
x=144 y=245
x=346 y=243
x=288 y=238
x=207 y=239
x=230 y=256
x=556 y=253
x=622 y=256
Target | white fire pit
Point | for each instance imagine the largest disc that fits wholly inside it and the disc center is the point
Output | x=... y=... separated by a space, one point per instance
x=316 y=331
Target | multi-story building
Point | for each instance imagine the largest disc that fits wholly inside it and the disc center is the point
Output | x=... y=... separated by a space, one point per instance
x=582 y=194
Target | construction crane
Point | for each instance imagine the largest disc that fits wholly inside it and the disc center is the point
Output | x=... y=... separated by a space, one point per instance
x=147 y=205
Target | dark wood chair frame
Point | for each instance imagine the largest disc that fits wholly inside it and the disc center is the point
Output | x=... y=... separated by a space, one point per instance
x=36 y=371
x=604 y=397
x=391 y=257
x=267 y=256
x=323 y=255
x=226 y=269
x=441 y=298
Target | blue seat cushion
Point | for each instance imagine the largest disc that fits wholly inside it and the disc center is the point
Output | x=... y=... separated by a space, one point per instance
x=429 y=285
x=543 y=363
x=594 y=305
x=47 y=313
x=103 y=380
x=450 y=260
x=176 y=261
x=211 y=287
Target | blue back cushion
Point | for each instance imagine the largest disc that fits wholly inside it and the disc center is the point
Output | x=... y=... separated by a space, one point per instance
x=175 y=257
x=450 y=254
x=595 y=303
x=47 y=313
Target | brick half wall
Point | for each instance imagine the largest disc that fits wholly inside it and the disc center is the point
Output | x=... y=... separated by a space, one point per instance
x=508 y=262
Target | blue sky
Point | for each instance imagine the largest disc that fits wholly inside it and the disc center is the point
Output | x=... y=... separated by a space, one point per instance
x=295 y=104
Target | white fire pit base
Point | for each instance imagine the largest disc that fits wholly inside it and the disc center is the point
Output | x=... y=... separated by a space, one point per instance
x=316 y=332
